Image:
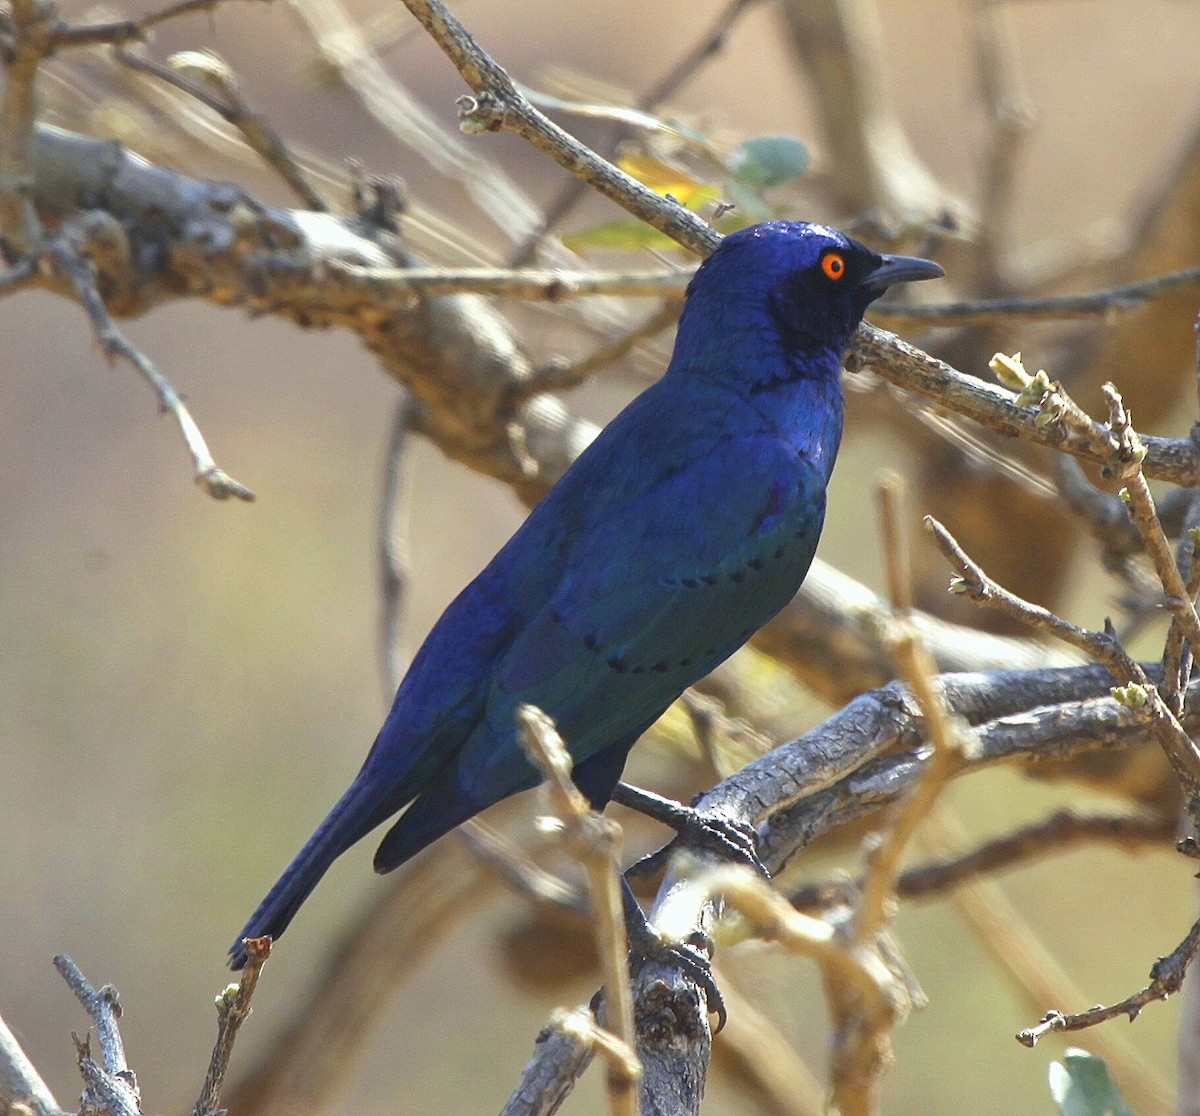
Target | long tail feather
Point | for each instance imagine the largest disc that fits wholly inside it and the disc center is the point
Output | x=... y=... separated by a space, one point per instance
x=357 y=812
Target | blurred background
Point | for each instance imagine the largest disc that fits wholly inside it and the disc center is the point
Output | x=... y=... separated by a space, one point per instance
x=186 y=685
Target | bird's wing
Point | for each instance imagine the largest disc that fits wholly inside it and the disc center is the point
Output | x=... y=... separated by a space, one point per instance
x=655 y=592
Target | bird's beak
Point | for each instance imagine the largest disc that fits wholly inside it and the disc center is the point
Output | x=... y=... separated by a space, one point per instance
x=900 y=269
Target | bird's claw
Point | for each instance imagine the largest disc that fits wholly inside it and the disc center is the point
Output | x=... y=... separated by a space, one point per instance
x=730 y=839
x=727 y=837
x=691 y=961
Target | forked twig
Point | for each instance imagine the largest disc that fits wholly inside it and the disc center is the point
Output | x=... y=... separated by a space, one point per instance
x=113 y=344
x=1138 y=693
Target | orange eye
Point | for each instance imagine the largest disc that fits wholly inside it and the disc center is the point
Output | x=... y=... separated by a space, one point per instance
x=834 y=265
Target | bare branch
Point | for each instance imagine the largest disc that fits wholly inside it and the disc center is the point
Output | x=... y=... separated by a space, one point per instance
x=709 y=45
x=20 y=1084
x=564 y=1051
x=111 y=1089
x=233 y=1008
x=499 y=104
x=216 y=482
x=950 y=746
x=1104 y=647
x=407 y=284
x=1166 y=978
x=1061 y=832
x=1104 y=304
x=104 y=1008
x=907 y=367
x=1176 y=663
x=128 y=30
x=230 y=104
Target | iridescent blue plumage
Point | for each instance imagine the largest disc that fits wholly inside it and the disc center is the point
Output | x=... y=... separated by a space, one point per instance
x=685 y=526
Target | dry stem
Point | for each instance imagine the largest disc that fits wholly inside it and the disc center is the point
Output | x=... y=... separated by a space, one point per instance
x=595 y=841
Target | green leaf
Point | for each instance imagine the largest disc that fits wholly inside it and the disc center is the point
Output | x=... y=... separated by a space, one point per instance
x=631 y=233
x=628 y=233
x=1080 y=1086
x=767 y=161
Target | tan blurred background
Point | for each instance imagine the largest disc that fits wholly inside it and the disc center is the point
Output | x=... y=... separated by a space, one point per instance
x=186 y=686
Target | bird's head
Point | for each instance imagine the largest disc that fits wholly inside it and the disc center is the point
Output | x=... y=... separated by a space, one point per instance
x=786 y=290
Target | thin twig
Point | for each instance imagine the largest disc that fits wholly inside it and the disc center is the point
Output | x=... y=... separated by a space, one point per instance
x=103 y=1093
x=258 y=133
x=104 y=1008
x=1060 y=832
x=991 y=311
x=129 y=30
x=909 y=368
x=594 y=840
x=498 y=104
x=1166 y=978
x=113 y=344
x=561 y=375
x=1037 y=974
x=1176 y=660
x=1138 y=694
x=407 y=284
x=556 y=285
x=233 y=1008
x=1127 y=458
x=708 y=46
x=1121 y=453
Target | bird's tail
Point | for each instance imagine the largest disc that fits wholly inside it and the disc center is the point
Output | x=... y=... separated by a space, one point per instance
x=357 y=812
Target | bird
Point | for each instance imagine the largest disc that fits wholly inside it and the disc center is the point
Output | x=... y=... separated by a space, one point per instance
x=686 y=524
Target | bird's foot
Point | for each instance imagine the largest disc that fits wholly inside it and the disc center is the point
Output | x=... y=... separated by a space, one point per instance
x=727 y=837
x=691 y=959
x=646 y=947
